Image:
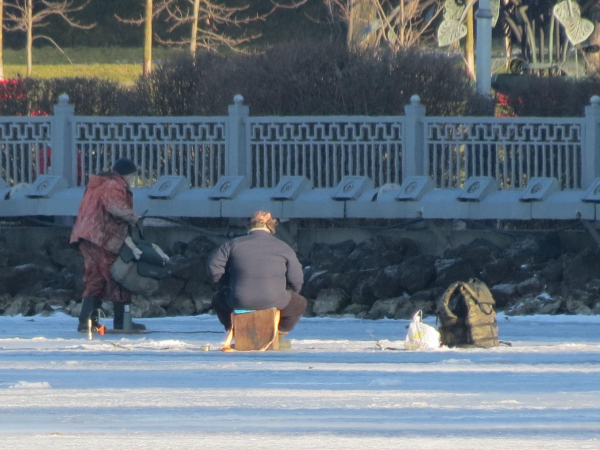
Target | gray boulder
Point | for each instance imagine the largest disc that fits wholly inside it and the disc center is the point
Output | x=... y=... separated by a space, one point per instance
x=22 y=278
x=406 y=309
x=478 y=252
x=169 y=288
x=318 y=281
x=379 y=252
x=541 y=304
x=417 y=273
x=201 y=295
x=449 y=271
x=384 y=308
x=190 y=268
x=552 y=272
x=576 y=300
x=357 y=310
x=200 y=246
x=22 y=305
x=504 y=294
x=531 y=286
x=496 y=272
x=426 y=301
x=387 y=284
x=5 y=256
x=181 y=306
x=330 y=301
x=143 y=308
x=363 y=292
x=583 y=268
x=42 y=308
x=534 y=250
x=593 y=287
x=330 y=257
x=73 y=309
x=347 y=281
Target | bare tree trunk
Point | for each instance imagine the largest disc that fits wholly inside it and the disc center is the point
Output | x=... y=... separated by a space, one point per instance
x=470 y=45
x=29 y=37
x=362 y=12
x=194 y=36
x=148 y=37
x=1 y=40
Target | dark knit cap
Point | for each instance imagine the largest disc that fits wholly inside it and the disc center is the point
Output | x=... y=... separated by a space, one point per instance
x=124 y=166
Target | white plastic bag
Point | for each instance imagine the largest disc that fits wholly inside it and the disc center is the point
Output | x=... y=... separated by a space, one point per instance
x=420 y=335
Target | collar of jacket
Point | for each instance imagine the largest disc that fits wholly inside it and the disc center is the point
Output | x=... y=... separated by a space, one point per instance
x=259 y=229
x=115 y=176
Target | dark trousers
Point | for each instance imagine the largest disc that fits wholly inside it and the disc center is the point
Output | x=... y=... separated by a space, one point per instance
x=290 y=315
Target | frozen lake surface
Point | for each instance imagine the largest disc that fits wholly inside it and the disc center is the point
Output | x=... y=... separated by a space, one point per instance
x=335 y=389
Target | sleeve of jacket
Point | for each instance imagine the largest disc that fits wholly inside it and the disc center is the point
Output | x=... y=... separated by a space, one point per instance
x=115 y=203
x=217 y=262
x=295 y=276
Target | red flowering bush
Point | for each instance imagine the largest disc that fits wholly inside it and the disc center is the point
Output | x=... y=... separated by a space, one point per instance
x=13 y=97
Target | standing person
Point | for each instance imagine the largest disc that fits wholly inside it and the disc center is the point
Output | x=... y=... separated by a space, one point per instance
x=263 y=272
x=105 y=214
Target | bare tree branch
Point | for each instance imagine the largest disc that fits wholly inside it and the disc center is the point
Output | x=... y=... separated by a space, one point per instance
x=27 y=15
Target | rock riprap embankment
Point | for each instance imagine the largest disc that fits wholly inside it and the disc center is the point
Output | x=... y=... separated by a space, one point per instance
x=380 y=277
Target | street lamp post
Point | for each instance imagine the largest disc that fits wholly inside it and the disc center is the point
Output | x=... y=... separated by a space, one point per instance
x=483 y=61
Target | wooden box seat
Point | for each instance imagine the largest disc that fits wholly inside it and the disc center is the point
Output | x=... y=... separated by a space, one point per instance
x=253 y=331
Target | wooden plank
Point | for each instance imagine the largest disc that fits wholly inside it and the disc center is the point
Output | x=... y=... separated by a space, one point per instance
x=253 y=330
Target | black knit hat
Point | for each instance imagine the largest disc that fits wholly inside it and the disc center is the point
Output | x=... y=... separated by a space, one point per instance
x=124 y=166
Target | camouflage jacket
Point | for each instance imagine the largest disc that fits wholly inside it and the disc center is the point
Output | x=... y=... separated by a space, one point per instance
x=105 y=212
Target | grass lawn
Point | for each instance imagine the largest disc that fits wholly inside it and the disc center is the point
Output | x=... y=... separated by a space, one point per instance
x=114 y=63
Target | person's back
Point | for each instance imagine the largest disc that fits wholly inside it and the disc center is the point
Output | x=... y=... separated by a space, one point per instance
x=262 y=272
x=260 y=268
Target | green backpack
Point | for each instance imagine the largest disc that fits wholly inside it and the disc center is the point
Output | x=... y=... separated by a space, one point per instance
x=467 y=316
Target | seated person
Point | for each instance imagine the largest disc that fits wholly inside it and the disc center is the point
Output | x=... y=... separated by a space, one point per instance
x=263 y=272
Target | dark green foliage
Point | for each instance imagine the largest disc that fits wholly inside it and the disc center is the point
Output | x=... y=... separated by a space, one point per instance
x=312 y=78
x=90 y=96
x=530 y=95
x=13 y=98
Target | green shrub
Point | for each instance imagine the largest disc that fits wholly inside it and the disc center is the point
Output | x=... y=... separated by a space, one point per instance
x=530 y=95
x=312 y=78
x=90 y=96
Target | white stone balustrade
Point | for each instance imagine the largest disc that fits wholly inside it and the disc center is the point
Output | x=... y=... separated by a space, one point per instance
x=323 y=150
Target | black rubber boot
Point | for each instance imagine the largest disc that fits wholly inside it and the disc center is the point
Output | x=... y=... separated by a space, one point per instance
x=119 y=309
x=88 y=310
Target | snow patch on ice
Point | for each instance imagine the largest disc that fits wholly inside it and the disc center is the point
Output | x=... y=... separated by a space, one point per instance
x=31 y=385
x=456 y=361
x=168 y=343
x=385 y=382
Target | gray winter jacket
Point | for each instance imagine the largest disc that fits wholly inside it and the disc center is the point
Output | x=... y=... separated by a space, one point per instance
x=260 y=268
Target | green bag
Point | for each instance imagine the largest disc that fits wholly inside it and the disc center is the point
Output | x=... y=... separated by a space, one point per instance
x=467 y=316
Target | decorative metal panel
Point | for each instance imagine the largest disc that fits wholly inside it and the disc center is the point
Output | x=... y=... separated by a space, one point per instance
x=24 y=148
x=510 y=150
x=189 y=147
x=325 y=149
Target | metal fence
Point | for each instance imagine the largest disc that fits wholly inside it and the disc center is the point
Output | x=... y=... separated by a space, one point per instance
x=509 y=150
x=190 y=147
x=24 y=148
x=323 y=149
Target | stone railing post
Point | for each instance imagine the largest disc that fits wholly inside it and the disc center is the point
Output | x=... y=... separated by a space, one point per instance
x=61 y=142
x=413 y=145
x=591 y=156
x=237 y=163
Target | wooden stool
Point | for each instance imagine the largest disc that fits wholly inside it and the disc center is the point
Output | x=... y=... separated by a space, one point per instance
x=253 y=331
